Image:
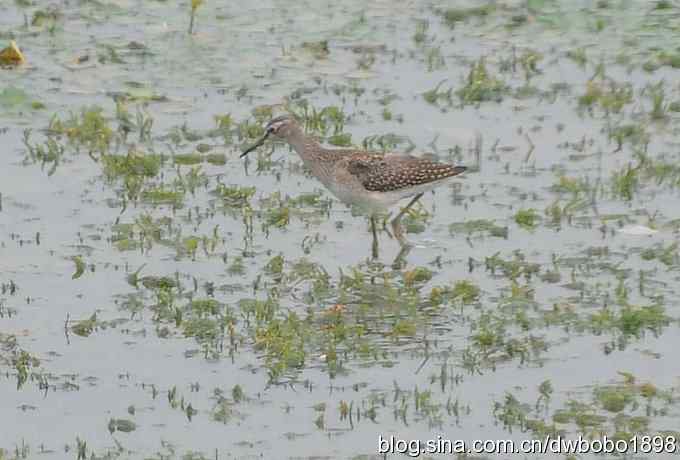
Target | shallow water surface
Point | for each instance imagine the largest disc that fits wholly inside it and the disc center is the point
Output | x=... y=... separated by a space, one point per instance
x=161 y=298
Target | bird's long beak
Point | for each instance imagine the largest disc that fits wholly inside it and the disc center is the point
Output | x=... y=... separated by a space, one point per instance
x=259 y=142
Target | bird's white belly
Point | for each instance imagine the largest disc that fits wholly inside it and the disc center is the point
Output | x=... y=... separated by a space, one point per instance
x=379 y=202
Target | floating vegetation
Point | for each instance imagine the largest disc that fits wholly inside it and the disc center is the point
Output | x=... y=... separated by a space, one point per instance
x=463 y=291
x=388 y=143
x=660 y=59
x=162 y=195
x=625 y=182
x=85 y=327
x=24 y=363
x=277 y=217
x=255 y=293
x=667 y=255
x=340 y=140
x=658 y=97
x=46 y=18
x=481 y=85
x=80 y=267
x=191 y=180
x=435 y=59
x=635 y=134
x=512 y=268
x=88 y=130
x=491 y=343
x=135 y=163
x=580 y=198
x=122 y=425
x=620 y=411
x=631 y=320
x=482 y=226
x=190 y=159
x=249 y=130
x=579 y=56
x=529 y=61
x=466 y=291
x=283 y=343
x=13 y=98
x=420 y=35
x=609 y=96
x=418 y=275
x=142 y=233
x=434 y=95
x=527 y=218
x=452 y=16
x=216 y=159
x=326 y=121
x=49 y=153
x=224 y=122
x=570 y=185
x=234 y=196
x=134 y=170
x=318 y=49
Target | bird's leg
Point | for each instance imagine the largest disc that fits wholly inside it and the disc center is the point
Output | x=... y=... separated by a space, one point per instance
x=385 y=219
x=400 y=261
x=375 y=238
x=396 y=222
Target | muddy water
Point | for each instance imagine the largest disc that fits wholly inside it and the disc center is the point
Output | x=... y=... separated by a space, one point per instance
x=539 y=298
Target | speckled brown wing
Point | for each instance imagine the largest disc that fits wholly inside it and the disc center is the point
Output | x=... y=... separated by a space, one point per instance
x=396 y=172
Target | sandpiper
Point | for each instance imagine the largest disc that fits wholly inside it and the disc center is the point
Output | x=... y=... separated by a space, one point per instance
x=371 y=181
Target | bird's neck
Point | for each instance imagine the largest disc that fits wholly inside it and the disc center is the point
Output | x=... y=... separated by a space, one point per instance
x=306 y=146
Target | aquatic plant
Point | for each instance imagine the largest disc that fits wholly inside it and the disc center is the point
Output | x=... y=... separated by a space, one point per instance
x=452 y=16
x=481 y=85
x=195 y=4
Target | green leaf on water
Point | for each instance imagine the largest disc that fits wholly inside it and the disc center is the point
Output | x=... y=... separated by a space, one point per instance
x=85 y=327
x=11 y=97
x=120 y=424
x=535 y=6
x=80 y=267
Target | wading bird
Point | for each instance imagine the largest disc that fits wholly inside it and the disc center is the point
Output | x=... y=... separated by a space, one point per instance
x=374 y=183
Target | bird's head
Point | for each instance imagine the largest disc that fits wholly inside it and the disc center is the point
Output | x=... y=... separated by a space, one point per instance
x=282 y=127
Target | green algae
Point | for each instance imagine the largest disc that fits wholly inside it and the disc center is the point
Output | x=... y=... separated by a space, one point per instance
x=368 y=317
x=610 y=96
x=85 y=327
x=88 y=129
x=235 y=196
x=452 y=16
x=466 y=291
x=481 y=85
x=634 y=134
x=318 y=49
x=625 y=182
x=162 y=195
x=527 y=218
x=416 y=276
x=122 y=425
x=482 y=226
x=133 y=164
